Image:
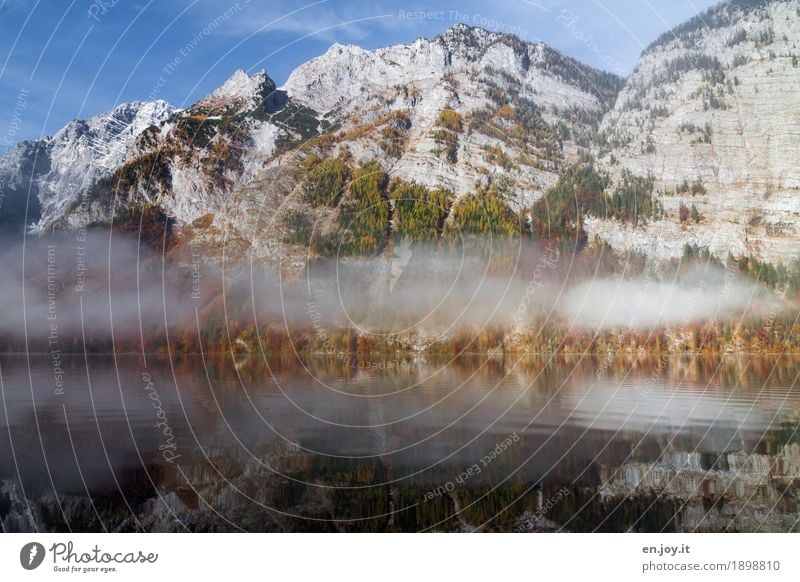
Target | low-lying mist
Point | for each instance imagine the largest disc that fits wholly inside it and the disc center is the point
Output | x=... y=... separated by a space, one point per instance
x=644 y=303
x=67 y=289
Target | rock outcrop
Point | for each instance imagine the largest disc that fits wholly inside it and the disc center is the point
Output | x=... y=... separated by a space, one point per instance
x=712 y=113
x=51 y=174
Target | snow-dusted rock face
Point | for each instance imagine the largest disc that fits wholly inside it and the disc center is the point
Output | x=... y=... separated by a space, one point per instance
x=84 y=151
x=347 y=78
x=460 y=70
x=191 y=163
x=715 y=101
x=20 y=169
x=711 y=112
x=523 y=112
x=57 y=169
x=242 y=93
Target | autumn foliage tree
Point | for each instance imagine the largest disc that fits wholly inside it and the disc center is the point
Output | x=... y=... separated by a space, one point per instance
x=559 y=214
x=486 y=213
x=325 y=182
x=419 y=213
x=364 y=213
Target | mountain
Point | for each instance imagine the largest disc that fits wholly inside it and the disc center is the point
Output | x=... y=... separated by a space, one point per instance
x=57 y=170
x=458 y=114
x=471 y=132
x=188 y=164
x=712 y=113
x=520 y=105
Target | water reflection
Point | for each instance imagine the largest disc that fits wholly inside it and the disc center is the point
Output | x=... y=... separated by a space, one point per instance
x=412 y=444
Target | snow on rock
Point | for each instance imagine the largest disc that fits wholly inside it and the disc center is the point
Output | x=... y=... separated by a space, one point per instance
x=346 y=75
x=718 y=103
x=454 y=70
x=240 y=93
x=82 y=152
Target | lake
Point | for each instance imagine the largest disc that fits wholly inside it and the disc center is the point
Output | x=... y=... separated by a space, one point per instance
x=327 y=443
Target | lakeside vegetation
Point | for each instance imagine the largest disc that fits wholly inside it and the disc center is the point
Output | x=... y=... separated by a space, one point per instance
x=228 y=322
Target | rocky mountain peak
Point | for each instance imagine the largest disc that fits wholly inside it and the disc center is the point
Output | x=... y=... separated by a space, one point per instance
x=473 y=41
x=711 y=113
x=57 y=169
x=240 y=93
x=126 y=119
x=347 y=75
x=472 y=36
x=727 y=14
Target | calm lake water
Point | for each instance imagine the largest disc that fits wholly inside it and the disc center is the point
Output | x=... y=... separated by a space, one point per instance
x=426 y=444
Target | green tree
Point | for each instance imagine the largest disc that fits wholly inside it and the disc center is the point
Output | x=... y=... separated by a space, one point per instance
x=325 y=182
x=485 y=212
x=364 y=213
x=695 y=214
x=559 y=214
x=632 y=200
x=419 y=213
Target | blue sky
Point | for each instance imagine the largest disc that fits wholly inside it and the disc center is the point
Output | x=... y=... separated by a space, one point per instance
x=67 y=59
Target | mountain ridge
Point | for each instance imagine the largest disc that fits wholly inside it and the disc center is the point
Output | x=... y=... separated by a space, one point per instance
x=71 y=160
x=472 y=112
x=710 y=113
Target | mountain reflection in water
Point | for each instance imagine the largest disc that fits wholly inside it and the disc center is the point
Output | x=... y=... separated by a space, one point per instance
x=328 y=444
